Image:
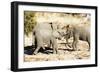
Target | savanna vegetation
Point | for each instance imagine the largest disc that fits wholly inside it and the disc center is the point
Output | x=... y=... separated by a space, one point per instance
x=29 y=21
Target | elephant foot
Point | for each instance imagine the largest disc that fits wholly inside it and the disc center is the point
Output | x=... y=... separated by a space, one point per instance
x=55 y=52
x=34 y=53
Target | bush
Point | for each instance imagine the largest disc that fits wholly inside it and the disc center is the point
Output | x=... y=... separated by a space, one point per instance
x=29 y=21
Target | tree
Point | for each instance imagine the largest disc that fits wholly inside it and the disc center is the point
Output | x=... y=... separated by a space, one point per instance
x=29 y=21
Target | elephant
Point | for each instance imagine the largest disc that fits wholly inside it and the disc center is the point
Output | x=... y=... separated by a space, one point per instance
x=78 y=33
x=45 y=33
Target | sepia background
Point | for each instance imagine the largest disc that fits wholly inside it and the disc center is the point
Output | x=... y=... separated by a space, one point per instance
x=31 y=18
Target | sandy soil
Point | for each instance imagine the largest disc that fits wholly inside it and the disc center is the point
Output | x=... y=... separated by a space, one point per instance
x=63 y=53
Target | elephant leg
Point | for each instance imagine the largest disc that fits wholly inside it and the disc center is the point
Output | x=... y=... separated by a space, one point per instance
x=73 y=45
x=55 y=51
x=36 y=50
x=50 y=44
x=89 y=45
x=54 y=45
x=43 y=47
x=88 y=40
x=66 y=42
x=75 y=41
x=76 y=45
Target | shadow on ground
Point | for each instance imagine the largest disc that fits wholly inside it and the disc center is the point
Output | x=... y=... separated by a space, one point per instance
x=30 y=49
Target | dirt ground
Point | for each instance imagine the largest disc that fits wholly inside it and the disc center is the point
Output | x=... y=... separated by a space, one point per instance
x=63 y=53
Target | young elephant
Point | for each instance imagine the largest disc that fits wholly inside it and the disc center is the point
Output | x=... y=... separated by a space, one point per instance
x=66 y=32
x=44 y=33
x=78 y=33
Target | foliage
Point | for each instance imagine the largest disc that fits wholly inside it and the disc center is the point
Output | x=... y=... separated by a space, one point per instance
x=29 y=21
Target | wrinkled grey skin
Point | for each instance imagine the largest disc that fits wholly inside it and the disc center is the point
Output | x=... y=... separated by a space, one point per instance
x=45 y=33
x=78 y=33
